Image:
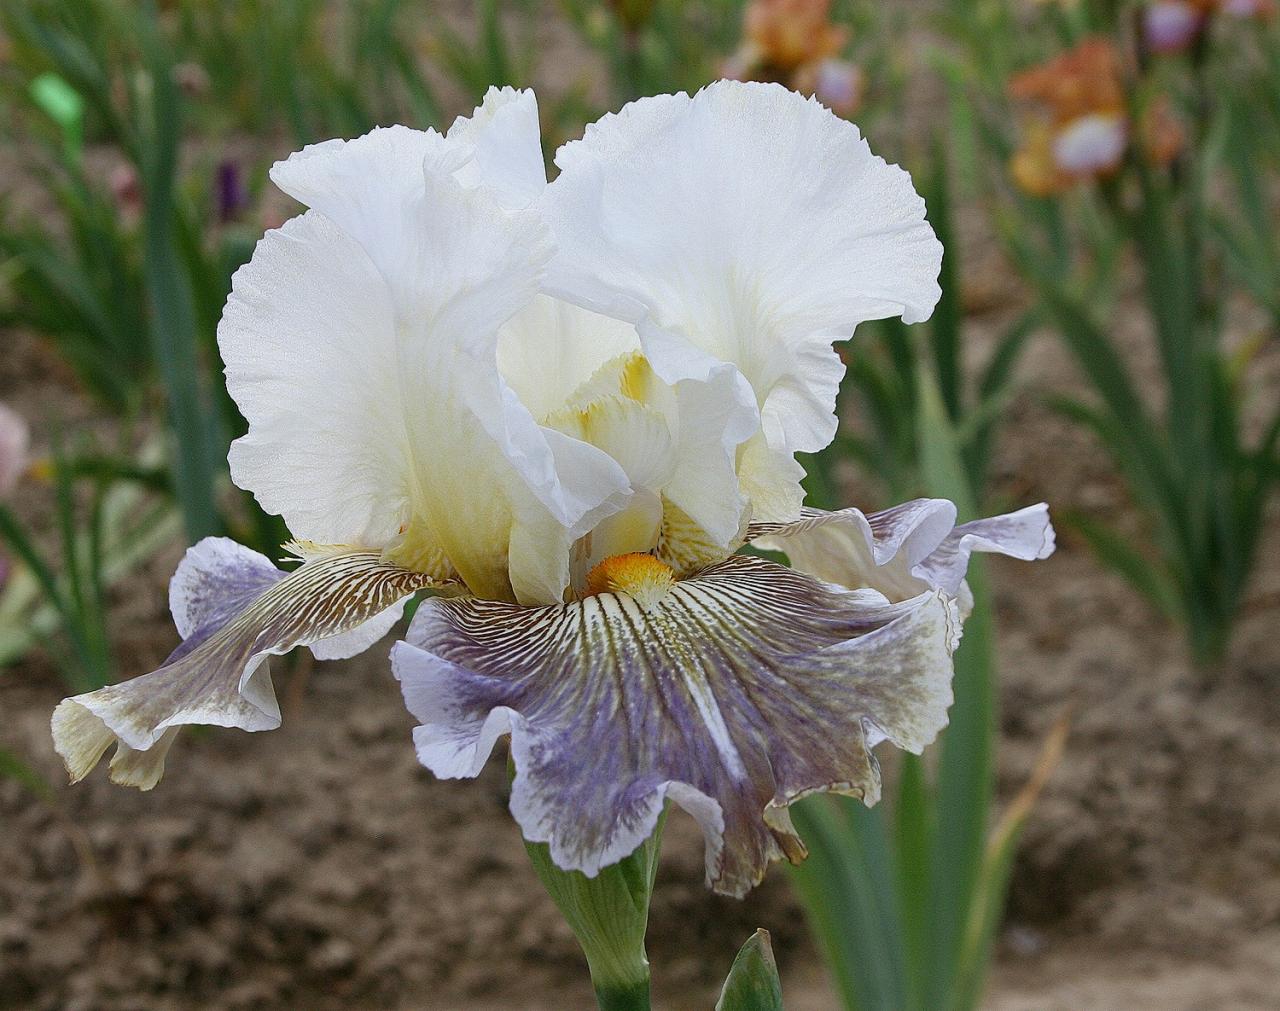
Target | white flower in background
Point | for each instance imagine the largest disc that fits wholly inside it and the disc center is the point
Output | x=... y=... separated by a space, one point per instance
x=747 y=226
x=563 y=409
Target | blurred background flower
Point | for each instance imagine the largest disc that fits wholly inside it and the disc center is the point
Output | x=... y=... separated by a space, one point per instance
x=1078 y=125
x=1170 y=26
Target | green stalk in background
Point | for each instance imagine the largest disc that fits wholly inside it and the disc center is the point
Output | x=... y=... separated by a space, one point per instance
x=199 y=446
x=1198 y=478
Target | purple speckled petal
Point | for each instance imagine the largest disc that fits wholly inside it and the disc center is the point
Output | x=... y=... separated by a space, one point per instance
x=743 y=689
x=905 y=550
x=218 y=578
x=235 y=609
x=1026 y=534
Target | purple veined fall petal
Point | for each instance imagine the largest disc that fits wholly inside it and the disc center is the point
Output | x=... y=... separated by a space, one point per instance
x=15 y=441
x=742 y=226
x=234 y=609
x=737 y=692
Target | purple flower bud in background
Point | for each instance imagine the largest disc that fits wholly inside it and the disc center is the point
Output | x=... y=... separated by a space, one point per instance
x=232 y=198
x=192 y=79
x=1170 y=26
x=14 y=441
x=837 y=84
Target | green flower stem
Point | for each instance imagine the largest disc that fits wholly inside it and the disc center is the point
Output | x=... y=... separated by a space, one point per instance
x=609 y=915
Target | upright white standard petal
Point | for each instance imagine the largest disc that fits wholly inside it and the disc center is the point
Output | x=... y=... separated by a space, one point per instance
x=360 y=345
x=365 y=184
x=745 y=225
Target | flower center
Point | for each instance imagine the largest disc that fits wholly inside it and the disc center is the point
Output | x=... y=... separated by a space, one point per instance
x=640 y=576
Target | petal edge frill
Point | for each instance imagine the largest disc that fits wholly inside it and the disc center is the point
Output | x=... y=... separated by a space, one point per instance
x=233 y=619
x=905 y=550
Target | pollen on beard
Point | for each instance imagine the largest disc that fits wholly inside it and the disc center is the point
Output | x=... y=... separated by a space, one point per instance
x=640 y=576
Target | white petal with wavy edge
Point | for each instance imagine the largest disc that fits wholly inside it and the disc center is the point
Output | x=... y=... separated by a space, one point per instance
x=745 y=225
x=743 y=689
x=551 y=350
x=371 y=419
x=235 y=609
x=904 y=550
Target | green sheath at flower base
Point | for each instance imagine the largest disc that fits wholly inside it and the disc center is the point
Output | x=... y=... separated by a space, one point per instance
x=609 y=914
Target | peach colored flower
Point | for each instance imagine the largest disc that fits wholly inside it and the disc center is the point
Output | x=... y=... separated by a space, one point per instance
x=793 y=42
x=789 y=33
x=1076 y=83
x=1079 y=129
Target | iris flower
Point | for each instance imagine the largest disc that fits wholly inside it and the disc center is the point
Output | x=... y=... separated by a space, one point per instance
x=563 y=409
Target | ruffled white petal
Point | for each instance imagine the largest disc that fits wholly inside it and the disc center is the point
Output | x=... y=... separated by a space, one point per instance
x=504 y=142
x=313 y=361
x=744 y=225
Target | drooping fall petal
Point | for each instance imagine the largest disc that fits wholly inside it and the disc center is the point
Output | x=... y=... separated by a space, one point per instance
x=732 y=693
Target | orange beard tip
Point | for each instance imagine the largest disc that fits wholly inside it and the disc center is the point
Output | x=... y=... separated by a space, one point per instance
x=639 y=575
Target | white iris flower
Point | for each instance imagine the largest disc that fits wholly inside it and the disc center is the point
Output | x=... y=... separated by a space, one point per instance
x=563 y=408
